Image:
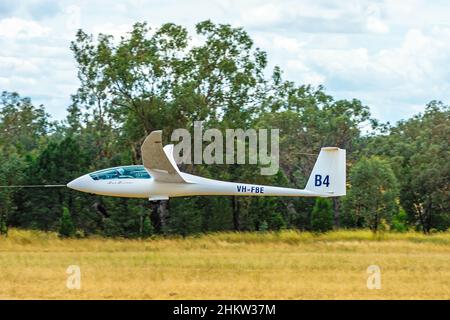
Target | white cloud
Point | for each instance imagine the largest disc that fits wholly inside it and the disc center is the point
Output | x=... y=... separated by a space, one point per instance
x=285 y=12
x=420 y=60
x=393 y=55
x=268 y=13
x=117 y=31
x=376 y=25
x=396 y=81
x=304 y=74
x=17 y=65
x=375 y=22
x=291 y=45
x=21 y=29
x=4 y=82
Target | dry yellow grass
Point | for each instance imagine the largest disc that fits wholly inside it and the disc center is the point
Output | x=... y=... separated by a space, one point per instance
x=286 y=265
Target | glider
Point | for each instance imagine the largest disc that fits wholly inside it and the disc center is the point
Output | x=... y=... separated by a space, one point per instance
x=159 y=178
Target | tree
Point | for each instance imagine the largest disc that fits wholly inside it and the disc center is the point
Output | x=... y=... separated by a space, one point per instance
x=156 y=80
x=12 y=167
x=265 y=212
x=400 y=221
x=184 y=217
x=126 y=218
x=58 y=163
x=66 y=227
x=418 y=151
x=309 y=119
x=147 y=227
x=5 y=204
x=373 y=194
x=3 y=225
x=23 y=129
x=23 y=126
x=322 y=215
x=425 y=189
x=264 y=226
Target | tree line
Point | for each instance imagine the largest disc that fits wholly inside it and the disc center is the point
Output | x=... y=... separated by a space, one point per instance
x=398 y=175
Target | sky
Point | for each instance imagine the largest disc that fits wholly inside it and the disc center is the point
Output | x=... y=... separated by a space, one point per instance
x=393 y=55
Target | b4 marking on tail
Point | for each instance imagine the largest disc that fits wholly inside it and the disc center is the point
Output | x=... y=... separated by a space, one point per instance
x=319 y=182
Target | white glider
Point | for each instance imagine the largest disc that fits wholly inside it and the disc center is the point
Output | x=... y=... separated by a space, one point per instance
x=159 y=178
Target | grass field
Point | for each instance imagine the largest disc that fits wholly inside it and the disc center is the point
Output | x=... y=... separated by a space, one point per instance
x=285 y=265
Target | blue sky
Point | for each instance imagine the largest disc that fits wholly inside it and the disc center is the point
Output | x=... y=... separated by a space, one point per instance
x=393 y=55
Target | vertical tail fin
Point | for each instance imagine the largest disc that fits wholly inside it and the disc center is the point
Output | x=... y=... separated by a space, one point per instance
x=328 y=178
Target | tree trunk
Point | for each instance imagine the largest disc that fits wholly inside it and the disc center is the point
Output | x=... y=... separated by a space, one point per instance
x=336 y=208
x=419 y=212
x=3 y=223
x=159 y=215
x=290 y=212
x=375 y=223
x=428 y=216
x=236 y=208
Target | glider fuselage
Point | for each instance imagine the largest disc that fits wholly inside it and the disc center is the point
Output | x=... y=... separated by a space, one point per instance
x=154 y=190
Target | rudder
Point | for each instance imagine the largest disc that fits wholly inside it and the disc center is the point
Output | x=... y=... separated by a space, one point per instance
x=328 y=177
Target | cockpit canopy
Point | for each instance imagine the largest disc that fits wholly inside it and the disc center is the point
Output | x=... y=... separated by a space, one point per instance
x=124 y=172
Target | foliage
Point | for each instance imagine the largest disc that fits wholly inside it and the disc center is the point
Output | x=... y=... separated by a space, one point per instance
x=23 y=126
x=66 y=226
x=184 y=217
x=147 y=227
x=322 y=215
x=399 y=221
x=373 y=193
x=3 y=224
x=264 y=226
x=418 y=149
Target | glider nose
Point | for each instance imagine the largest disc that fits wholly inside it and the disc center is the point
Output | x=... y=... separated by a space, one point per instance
x=82 y=183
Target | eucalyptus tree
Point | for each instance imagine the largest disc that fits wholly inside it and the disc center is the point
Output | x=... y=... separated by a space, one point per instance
x=162 y=79
x=418 y=149
x=23 y=126
x=309 y=119
x=24 y=129
x=372 y=198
